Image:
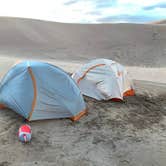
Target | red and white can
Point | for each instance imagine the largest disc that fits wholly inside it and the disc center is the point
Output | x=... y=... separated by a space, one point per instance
x=25 y=133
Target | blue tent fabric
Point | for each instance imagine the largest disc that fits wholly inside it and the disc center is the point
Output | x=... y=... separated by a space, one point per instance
x=38 y=90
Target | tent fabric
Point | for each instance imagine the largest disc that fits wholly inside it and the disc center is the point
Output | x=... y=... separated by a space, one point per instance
x=38 y=90
x=103 y=79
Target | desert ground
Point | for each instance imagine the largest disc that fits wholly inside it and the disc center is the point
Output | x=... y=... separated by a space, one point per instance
x=128 y=133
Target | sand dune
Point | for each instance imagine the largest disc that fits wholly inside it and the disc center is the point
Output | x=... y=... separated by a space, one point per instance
x=159 y=22
x=131 y=44
x=129 y=133
x=135 y=45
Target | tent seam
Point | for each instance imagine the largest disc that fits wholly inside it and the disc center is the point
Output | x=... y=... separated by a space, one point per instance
x=85 y=73
x=34 y=90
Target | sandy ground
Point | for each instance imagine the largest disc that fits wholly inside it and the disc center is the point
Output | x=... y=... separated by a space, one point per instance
x=128 y=133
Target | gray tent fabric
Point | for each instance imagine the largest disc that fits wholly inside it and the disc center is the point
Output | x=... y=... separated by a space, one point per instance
x=38 y=90
x=104 y=79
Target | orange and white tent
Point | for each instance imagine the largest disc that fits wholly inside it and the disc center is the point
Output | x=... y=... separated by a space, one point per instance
x=104 y=79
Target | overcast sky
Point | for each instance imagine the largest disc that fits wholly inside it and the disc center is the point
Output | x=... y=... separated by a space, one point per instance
x=86 y=11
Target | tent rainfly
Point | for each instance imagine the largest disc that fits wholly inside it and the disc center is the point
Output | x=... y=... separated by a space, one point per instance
x=38 y=90
x=104 y=79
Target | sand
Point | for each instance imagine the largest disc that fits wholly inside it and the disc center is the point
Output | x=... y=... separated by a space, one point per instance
x=129 y=133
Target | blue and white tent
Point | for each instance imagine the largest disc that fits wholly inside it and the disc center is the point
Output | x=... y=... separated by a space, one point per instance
x=38 y=90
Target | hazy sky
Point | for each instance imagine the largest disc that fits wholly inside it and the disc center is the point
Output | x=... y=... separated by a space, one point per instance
x=86 y=11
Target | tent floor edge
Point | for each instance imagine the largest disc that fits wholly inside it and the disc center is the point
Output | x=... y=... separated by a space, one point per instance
x=130 y=92
x=2 y=106
x=78 y=116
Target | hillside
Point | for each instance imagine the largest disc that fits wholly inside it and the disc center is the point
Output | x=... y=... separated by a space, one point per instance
x=131 y=44
x=160 y=22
